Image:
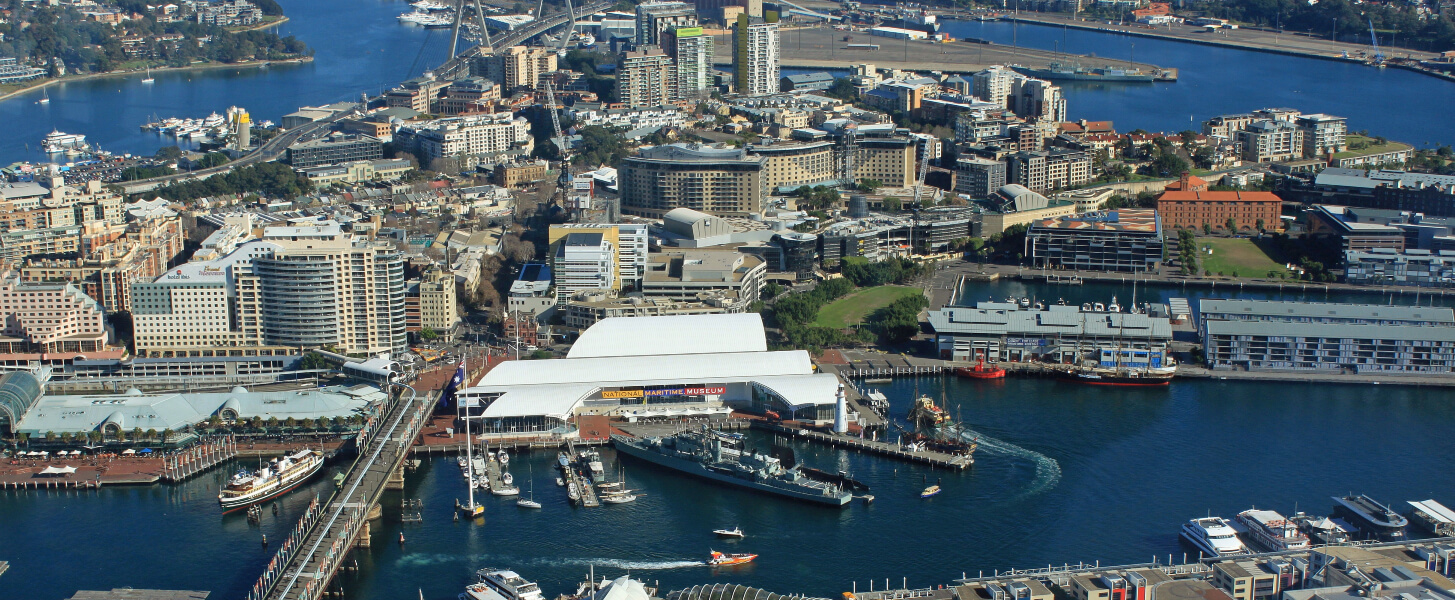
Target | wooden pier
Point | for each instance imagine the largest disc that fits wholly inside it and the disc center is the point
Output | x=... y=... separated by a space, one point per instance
x=934 y=459
x=892 y=372
x=182 y=464
x=584 y=488
x=494 y=474
x=511 y=444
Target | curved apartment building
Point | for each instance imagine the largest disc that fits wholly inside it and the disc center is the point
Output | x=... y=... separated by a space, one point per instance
x=717 y=181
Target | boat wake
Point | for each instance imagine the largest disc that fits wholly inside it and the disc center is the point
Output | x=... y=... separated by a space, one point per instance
x=1048 y=471
x=419 y=559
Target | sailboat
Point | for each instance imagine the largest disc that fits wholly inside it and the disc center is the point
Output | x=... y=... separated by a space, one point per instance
x=45 y=98
x=529 y=502
x=149 y=77
x=470 y=508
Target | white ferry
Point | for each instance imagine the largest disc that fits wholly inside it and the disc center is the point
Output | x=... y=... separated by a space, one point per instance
x=275 y=479
x=1270 y=530
x=57 y=142
x=1214 y=536
x=510 y=584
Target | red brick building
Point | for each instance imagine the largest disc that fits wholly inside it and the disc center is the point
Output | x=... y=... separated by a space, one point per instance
x=1188 y=183
x=1190 y=209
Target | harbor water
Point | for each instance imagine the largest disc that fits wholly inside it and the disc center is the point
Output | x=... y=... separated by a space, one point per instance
x=361 y=47
x=1065 y=473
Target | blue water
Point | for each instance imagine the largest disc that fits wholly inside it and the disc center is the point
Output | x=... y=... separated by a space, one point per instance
x=360 y=46
x=1065 y=473
x=1216 y=80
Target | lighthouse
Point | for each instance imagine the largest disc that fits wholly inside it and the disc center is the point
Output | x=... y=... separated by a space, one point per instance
x=841 y=411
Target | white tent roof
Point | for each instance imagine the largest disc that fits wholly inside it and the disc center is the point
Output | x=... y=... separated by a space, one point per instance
x=58 y=470
x=538 y=400
x=674 y=334
x=622 y=588
x=613 y=371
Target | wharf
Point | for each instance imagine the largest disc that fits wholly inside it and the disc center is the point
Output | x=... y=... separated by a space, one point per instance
x=494 y=474
x=574 y=477
x=934 y=459
x=181 y=465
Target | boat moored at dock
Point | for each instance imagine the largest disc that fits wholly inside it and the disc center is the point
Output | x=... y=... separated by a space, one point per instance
x=704 y=455
x=1374 y=520
x=509 y=584
x=1271 y=531
x=1214 y=536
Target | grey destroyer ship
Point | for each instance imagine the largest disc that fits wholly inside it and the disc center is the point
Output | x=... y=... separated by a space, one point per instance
x=708 y=455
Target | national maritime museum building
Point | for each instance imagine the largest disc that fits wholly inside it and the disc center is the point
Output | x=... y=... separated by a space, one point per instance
x=655 y=368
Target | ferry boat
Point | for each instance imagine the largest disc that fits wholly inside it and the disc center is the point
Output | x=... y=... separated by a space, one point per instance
x=1271 y=531
x=509 y=584
x=710 y=457
x=1433 y=516
x=1373 y=519
x=719 y=559
x=57 y=142
x=1214 y=536
x=276 y=478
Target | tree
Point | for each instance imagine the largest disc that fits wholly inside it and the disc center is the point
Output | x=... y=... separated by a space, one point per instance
x=167 y=435
x=50 y=436
x=1207 y=228
x=168 y=153
x=151 y=434
x=870 y=185
x=1260 y=225
x=892 y=204
x=1231 y=224
x=843 y=89
x=428 y=333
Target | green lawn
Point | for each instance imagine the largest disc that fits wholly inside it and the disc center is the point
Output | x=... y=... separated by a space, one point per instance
x=1370 y=147
x=854 y=307
x=1235 y=255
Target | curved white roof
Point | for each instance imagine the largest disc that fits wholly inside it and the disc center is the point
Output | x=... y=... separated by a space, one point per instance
x=670 y=335
x=613 y=371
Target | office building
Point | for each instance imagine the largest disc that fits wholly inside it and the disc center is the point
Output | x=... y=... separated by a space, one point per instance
x=890 y=159
x=644 y=77
x=692 y=53
x=1387 y=266
x=430 y=302
x=717 y=181
x=530 y=293
x=1340 y=230
x=1323 y=135
x=590 y=309
x=755 y=57
x=1125 y=240
x=583 y=262
x=1267 y=141
x=788 y=165
x=1326 y=337
x=1028 y=98
x=1192 y=210
x=470 y=135
x=1426 y=193
x=336 y=148
x=627 y=245
x=978 y=177
x=519 y=173
x=700 y=274
x=416 y=94
x=308 y=286
x=653 y=18
x=1048 y=170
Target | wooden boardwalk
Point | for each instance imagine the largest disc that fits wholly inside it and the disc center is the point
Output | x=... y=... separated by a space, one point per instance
x=934 y=459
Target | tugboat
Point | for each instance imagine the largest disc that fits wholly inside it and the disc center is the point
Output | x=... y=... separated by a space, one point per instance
x=980 y=371
x=276 y=478
x=719 y=559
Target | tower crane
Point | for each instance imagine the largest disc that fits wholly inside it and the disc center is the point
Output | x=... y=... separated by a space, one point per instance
x=924 y=167
x=1374 y=40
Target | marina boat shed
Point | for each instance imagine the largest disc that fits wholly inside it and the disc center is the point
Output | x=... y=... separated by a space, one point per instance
x=112 y=413
x=1004 y=331
x=654 y=367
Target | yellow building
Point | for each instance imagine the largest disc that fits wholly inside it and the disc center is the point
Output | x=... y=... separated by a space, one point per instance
x=628 y=249
x=792 y=165
x=890 y=160
x=993 y=222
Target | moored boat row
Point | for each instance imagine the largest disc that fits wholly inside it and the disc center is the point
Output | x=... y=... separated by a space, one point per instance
x=1356 y=517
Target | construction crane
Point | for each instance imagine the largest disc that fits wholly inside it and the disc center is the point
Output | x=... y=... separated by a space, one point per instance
x=1374 y=40
x=924 y=167
x=559 y=140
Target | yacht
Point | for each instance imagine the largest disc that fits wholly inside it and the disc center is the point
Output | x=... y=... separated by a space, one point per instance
x=510 y=584
x=57 y=142
x=278 y=477
x=1271 y=531
x=1214 y=536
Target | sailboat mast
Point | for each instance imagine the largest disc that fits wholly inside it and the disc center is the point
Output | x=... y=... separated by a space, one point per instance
x=469 y=456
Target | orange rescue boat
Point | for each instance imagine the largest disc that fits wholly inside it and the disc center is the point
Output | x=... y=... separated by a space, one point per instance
x=980 y=371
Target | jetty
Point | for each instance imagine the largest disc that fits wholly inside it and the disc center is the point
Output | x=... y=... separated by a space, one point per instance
x=888 y=449
x=181 y=465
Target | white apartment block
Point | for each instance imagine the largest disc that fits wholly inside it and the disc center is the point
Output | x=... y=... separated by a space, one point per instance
x=629 y=118
x=644 y=77
x=49 y=317
x=583 y=261
x=755 y=58
x=478 y=134
x=1322 y=134
x=694 y=65
x=1270 y=141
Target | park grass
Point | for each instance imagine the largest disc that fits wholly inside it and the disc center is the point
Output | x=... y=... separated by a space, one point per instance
x=1240 y=257
x=852 y=309
x=1369 y=146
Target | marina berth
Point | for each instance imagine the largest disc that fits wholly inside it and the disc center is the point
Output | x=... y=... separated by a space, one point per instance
x=1213 y=536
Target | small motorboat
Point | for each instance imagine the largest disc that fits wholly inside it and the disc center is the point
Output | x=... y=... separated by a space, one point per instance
x=510 y=491
x=931 y=491
x=736 y=532
x=503 y=458
x=980 y=371
x=527 y=503
x=507 y=478
x=719 y=559
x=560 y=482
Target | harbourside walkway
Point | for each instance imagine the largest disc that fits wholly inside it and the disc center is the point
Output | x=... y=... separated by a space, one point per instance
x=344 y=518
